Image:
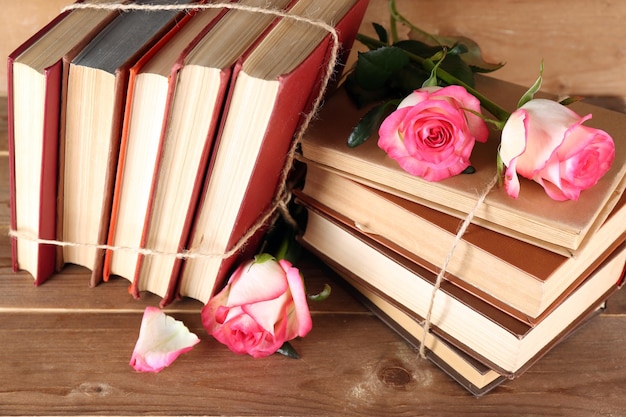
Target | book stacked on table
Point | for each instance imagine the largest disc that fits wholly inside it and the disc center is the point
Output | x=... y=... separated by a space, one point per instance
x=138 y=135
x=525 y=273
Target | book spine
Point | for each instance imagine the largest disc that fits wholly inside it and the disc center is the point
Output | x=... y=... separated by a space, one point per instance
x=40 y=276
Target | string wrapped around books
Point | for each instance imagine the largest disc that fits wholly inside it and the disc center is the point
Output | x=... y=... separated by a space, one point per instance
x=283 y=193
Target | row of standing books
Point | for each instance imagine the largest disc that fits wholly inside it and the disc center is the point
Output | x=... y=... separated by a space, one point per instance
x=509 y=293
x=135 y=136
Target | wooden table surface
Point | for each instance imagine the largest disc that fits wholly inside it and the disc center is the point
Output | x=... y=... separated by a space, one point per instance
x=65 y=348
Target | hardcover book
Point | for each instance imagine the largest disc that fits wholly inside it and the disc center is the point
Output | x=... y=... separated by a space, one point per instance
x=150 y=85
x=36 y=74
x=96 y=94
x=486 y=333
x=191 y=73
x=471 y=374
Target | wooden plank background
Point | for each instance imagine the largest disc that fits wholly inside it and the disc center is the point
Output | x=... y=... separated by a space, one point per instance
x=580 y=41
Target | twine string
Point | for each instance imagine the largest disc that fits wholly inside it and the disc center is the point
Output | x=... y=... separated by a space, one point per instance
x=459 y=235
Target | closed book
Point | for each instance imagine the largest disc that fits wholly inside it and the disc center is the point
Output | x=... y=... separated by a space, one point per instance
x=523 y=279
x=272 y=88
x=36 y=73
x=482 y=331
x=560 y=226
x=96 y=93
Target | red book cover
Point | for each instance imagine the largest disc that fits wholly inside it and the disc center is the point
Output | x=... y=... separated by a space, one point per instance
x=287 y=115
x=55 y=76
x=46 y=256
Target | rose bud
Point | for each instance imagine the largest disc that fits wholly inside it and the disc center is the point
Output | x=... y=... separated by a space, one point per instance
x=546 y=142
x=262 y=306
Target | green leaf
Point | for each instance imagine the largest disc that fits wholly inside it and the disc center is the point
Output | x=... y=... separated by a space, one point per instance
x=472 y=55
x=369 y=123
x=457 y=67
x=417 y=48
x=374 y=68
x=408 y=79
x=362 y=97
x=322 y=295
x=528 y=95
x=453 y=64
x=287 y=350
x=469 y=170
x=383 y=36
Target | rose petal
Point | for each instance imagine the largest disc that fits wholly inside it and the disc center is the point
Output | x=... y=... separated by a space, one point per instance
x=161 y=340
x=256 y=282
x=268 y=313
x=299 y=299
x=467 y=101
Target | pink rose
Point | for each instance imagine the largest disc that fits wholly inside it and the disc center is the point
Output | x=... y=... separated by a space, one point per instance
x=546 y=142
x=263 y=305
x=432 y=132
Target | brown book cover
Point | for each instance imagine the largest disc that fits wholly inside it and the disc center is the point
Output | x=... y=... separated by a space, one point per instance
x=481 y=330
x=532 y=217
x=523 y=279
x=471 y=374
x=296 y=90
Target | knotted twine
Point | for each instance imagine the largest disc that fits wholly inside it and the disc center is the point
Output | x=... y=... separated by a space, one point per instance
x=283 y=194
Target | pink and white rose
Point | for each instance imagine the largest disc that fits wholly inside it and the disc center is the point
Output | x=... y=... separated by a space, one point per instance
x=546 y=142
x=432 y=132
x=263 y=305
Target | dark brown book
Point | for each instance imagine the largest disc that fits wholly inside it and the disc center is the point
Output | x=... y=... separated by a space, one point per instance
x=471 y=374
x=479 y=329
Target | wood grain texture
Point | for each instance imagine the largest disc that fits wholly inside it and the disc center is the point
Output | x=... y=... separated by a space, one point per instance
x=576 y=39
x=579 y=40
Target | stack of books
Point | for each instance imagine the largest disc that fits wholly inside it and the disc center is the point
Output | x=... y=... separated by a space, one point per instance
x=135 y=136
x=524 y=274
